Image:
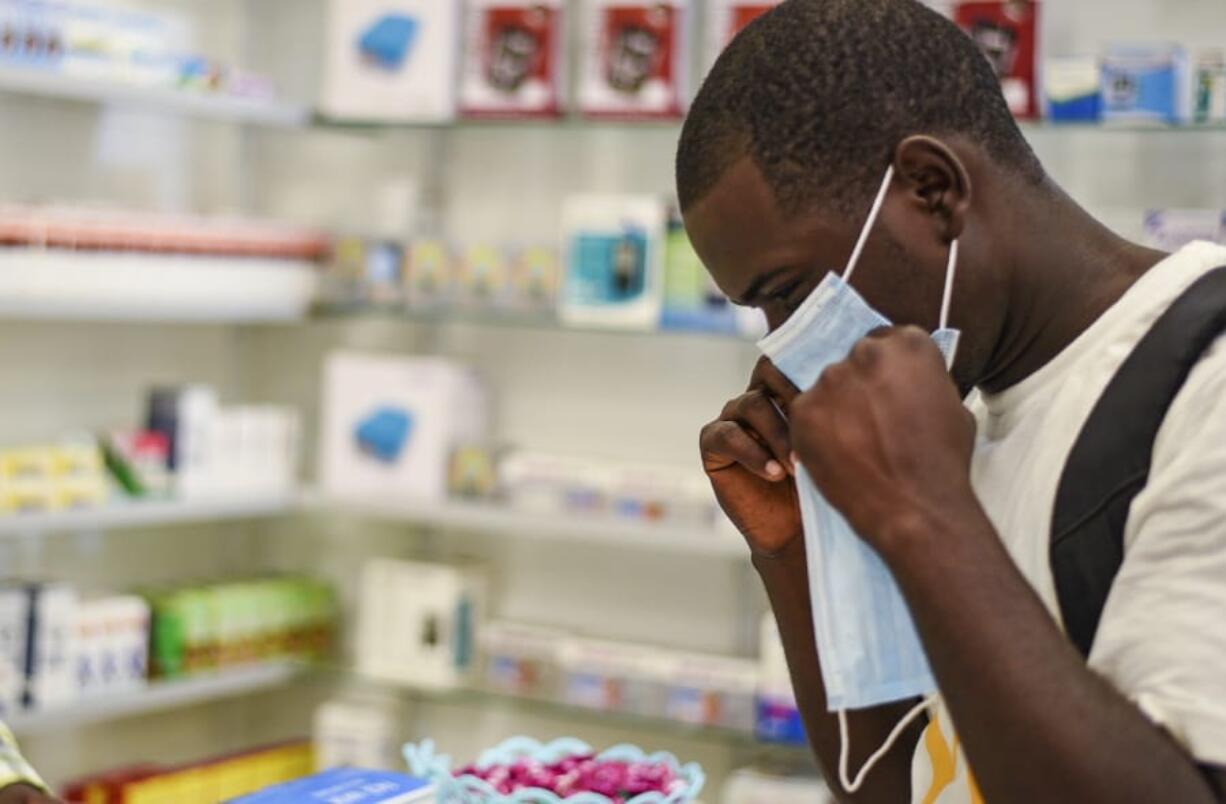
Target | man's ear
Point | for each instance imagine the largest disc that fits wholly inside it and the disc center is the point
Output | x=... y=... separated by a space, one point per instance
x=936 y=181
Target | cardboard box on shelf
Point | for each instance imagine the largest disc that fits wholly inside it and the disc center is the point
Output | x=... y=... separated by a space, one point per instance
x=390 y=424
x=392 y=61
x=1146 y=84
x=635 y=58
x=1007 y=31
x=514 y=58
x=614 y=257
x=419 y=623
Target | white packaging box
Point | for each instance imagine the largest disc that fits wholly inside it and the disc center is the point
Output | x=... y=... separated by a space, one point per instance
x=711 y=690
x=635 y=57
x=614 y=261
x=359 y=734
x=112 y=645
x=515 y=58
x=390 y=424
x=392 y=60
x=611 y=676
x=418 y=623
x=522 y=659
x=14 y=625
x=51 y=666
x=1172 y=229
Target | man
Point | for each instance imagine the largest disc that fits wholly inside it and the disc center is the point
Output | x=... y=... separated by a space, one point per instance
x=779 y=162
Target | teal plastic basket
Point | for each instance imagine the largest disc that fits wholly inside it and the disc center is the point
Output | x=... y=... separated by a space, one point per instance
x=425 y=763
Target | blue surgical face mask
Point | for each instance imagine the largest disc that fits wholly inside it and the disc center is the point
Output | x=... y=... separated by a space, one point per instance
x=869 y=649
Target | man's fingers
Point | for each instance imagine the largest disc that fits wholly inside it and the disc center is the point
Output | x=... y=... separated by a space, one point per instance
x=769 y=379
x=726 y=443
x=760 y=415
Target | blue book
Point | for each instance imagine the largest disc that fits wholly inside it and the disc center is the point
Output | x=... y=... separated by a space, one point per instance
x=347 y=786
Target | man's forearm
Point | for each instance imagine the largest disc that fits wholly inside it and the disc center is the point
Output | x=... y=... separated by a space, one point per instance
x=1035 y=722
x=785 y=576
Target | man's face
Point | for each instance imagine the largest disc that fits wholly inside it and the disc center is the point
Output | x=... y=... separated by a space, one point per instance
x=762 y=258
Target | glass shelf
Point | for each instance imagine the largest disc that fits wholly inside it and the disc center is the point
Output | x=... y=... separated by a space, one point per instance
x=500 y=320
x=656 y=725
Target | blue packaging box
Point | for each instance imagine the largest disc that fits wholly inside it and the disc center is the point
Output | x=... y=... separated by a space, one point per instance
x=1146 y=84
x=347 y=786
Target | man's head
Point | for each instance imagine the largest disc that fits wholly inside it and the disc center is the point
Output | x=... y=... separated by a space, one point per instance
x=790 y=137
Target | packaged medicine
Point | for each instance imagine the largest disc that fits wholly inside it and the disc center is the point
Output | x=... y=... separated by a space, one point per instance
x=514 y=59
x=635 y=61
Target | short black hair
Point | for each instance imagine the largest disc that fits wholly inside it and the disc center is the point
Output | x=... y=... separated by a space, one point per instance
x=819 y=93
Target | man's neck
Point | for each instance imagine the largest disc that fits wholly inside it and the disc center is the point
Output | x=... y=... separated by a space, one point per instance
x=1063 y=280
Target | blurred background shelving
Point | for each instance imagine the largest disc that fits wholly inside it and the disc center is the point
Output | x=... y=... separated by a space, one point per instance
x=84 y=336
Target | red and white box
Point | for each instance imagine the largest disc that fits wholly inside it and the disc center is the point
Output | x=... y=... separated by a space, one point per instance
x=514 y=59
x=1007 y=31
x=635 y=60
x=727 y=18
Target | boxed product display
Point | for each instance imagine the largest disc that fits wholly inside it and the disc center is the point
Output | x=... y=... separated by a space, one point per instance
x=710 y=690
x=111 y=644
x=1210 y=106
x=514 y=58
x=1146 y=84
x=217 y=625
x=392 y=60
x=1007 y=31
x=1172 y=229
x=50 y=670
x=391 y=424
x=522 y=660
x=778 y=716
x=1072 y=89
x=634 y=59
x=358 y=734
x=692 y=301
x=726 y=18
x=614 y=252
x=548 y=484
x=419 y=623
x=60 y=477
x=14 y=626
x=207 y=782
x=482 y=278
x=429 y=274
x=347 y=786
x=215 y=449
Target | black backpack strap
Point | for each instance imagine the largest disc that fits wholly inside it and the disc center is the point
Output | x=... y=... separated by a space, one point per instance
x=1110 y=461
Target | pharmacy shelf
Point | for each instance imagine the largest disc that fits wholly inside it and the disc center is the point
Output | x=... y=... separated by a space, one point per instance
x=485 y=700
x=144 y=514
x=43 y=84
x=557 y=527
x=496 y=320
x=160 y=697
x=56 y=285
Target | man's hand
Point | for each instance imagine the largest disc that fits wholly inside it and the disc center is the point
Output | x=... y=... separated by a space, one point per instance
x=746 y=453
x=25 y=794
x=885 y=436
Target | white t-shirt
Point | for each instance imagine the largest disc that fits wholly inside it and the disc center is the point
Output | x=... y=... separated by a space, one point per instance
x=1162 y=638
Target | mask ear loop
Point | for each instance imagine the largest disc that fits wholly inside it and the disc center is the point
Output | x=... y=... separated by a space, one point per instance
x=852 y=786
x=951 y=271
x=878 y=202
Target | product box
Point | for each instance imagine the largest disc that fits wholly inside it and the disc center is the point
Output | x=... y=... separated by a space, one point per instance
x=51 y=646
x=1210 y=106
x=614 y=255
x=715 y=691
x=778 y=716
x=429 y=275
x=347 y=786
x=392 y=61
x=726 y=18
x=112 y=645
x=359 y=734
x=1073 y=91
x=1172 y=229
x=390 y=424
x=535 y=276
x=514 y=59
x=522 y=660
x=14 y=634
x=418 y=623
x=692 y=300
x=1146 y=84
x=1007 y=32
x=483 y=278
x=634 y=61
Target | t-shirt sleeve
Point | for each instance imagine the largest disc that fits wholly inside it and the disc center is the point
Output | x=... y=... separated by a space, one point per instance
x=1162 y=639
x=13 y=766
